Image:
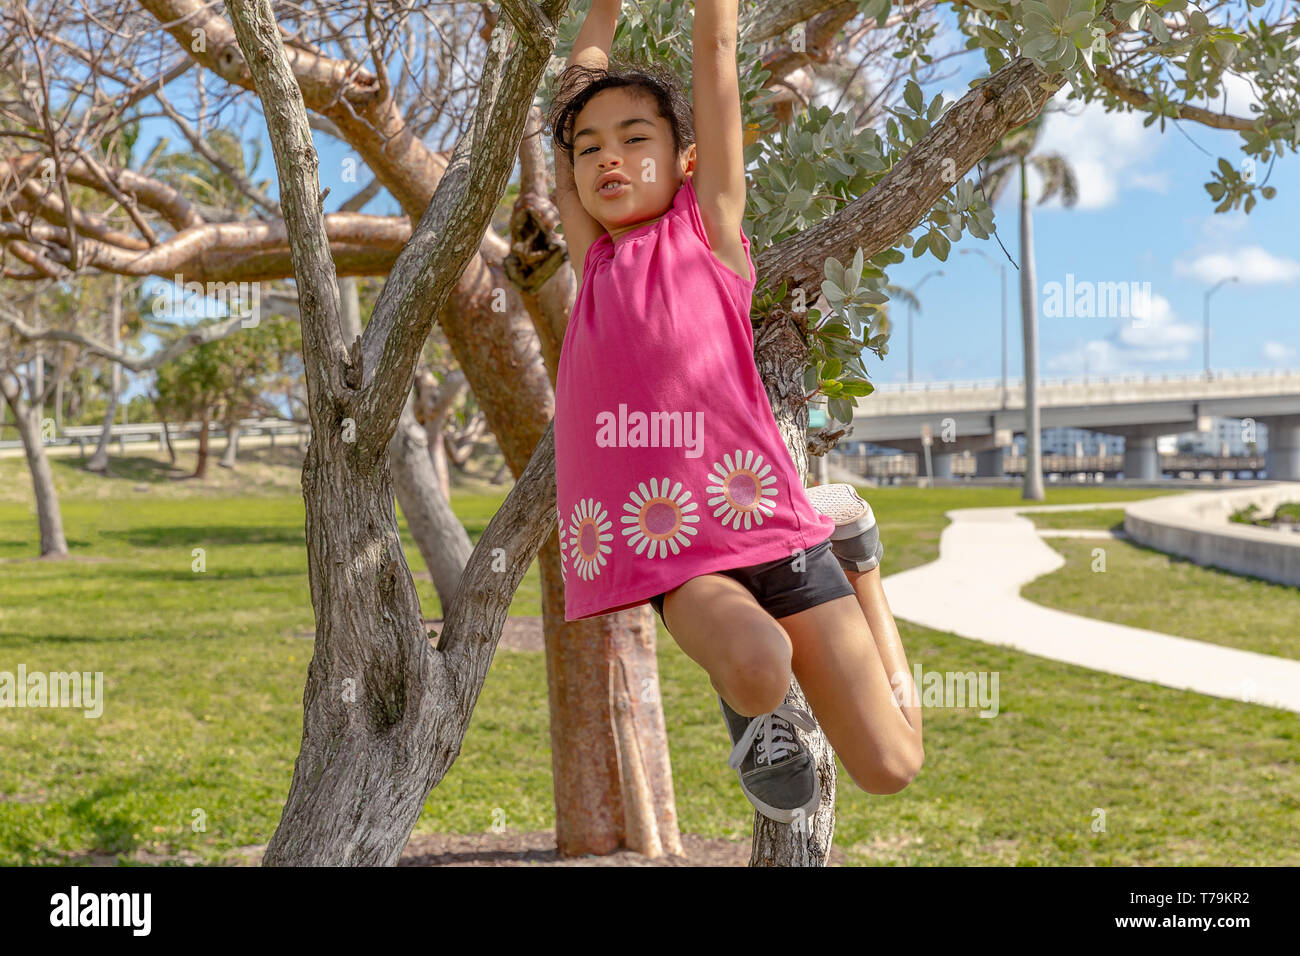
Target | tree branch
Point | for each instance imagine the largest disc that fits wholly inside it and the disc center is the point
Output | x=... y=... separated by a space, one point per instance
x=329 y=369
x=1112 y=81
x=136 y=363
x=879 y=218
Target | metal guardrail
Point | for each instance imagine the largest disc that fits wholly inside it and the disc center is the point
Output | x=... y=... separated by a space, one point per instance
x=909 y=465
x=980 y=384
x=141 y=432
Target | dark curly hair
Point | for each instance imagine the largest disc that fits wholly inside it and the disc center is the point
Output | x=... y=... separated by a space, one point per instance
x=578 y=84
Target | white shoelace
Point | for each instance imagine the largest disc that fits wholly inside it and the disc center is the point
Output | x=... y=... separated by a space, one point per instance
x=775 y=746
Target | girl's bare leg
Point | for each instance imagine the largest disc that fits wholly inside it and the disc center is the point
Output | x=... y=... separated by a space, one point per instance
x=718 y=624
x=852 y=668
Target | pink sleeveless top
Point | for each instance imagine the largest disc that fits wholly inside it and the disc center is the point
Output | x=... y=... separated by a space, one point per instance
x=668 y=460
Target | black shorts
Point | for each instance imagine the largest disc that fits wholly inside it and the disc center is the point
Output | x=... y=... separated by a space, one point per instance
x=782 y=590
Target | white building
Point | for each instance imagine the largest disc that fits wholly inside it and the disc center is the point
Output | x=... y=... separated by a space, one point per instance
x=1227 y=436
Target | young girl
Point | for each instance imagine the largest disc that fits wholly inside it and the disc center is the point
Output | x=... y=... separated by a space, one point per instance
x=674 y=484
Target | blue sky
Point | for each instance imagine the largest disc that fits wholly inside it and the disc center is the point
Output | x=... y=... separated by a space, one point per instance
x=1143 y=217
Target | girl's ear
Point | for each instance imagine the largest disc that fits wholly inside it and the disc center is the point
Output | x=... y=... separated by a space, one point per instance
x=688 y=164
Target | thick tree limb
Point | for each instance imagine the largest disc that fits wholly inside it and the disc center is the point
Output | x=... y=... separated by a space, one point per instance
x=252 y=251
x=329 y=369
x=879 y=218
x=346 y=95
x=136 y=363
x=452 y=228
x=152 y=193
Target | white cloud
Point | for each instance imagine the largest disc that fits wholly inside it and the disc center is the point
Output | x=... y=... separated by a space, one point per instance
x=1252 y=264
x=1221 y=226
x=1279 y=353
x=1107 y=151
x=1236 y=95
x=1153 y=334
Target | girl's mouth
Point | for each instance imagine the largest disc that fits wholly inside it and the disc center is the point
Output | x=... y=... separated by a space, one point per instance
x=612 y=188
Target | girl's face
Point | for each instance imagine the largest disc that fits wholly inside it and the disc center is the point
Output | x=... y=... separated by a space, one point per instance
x=624 y=162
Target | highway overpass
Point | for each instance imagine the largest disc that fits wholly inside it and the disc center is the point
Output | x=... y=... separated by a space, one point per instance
x=982 y=416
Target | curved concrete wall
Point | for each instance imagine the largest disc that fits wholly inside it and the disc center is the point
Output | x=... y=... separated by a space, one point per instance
x=1196 y=526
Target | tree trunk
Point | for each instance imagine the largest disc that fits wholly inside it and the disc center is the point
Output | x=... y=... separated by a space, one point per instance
x=433 y=404
x=48 y=515
x=99 y=460
x=232 y=444
x=201 y=467
x=443 y=542
x=1033 y=481
x=782 y=356
x=364 y=771
x=167 y=440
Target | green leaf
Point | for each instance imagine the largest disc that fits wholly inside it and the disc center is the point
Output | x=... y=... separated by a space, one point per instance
x=940 y=245
x=912 y=96
x=858 y=387
x=1156 y=24
x=841 y=409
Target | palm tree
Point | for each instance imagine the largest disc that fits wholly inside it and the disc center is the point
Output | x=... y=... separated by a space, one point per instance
x=1014 y=152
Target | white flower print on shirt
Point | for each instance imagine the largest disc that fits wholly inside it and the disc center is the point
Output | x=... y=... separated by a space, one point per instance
x=656 y=520
x=742 y=490
x=564 y=547
x=589 y=529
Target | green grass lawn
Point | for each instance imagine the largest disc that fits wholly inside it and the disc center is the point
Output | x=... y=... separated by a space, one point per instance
x=1096 y=519
x=204 y=675
x=1145 y=588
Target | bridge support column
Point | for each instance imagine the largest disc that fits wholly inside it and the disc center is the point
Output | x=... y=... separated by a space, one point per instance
x=1283 y=457
x=990 y=463
x=941 y=462
x=1141 y=458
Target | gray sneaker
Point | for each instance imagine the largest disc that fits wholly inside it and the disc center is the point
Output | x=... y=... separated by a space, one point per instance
x=778 y=775
x=856 y=538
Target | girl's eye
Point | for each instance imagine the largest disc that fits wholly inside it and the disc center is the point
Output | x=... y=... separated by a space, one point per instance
x=634 y=139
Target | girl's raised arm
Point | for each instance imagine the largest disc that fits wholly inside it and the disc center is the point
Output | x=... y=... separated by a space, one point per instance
x=590 y=49
x=719 y=176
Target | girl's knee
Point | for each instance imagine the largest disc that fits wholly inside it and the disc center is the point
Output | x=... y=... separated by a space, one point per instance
x=882 y=780
x=756 y=676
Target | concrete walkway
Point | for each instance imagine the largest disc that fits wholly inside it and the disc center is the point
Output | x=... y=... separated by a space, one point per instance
x=987 y=554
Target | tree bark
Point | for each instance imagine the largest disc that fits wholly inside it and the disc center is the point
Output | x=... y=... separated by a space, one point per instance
x=167 y=440
x=383 y=714
x=48 y=515
x=782 y=356
x=443 y=542
x=99 y=460
x=1033 y=479
x=201 y=466
x=232 y=444
x=432 y=406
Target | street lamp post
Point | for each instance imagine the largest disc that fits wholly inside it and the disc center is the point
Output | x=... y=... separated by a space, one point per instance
x=911 y=308
x=1209 y=292
x=1002 y=269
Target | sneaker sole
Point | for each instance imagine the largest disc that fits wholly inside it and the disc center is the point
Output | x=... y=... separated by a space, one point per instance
x=781 y=815
x=842 y=504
